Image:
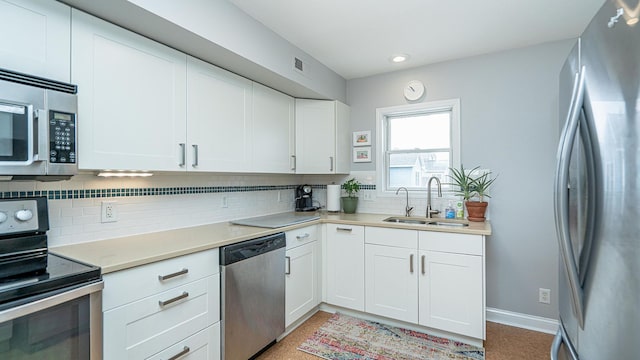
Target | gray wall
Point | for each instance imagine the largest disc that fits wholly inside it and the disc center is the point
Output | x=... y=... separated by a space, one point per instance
x=509 y=124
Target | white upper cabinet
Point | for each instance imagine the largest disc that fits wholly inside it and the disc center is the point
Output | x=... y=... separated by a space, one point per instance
x=322 y=137
x=273 y=135
x=36 y=38
x=219 y=119
x=132 y=107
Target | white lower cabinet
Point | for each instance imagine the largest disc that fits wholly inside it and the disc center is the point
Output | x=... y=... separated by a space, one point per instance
x=171 y=306
x=391 y=284
x=452 y=283
x=302 y=292
x=201 y=346
x=427 y=278
x=345 y=266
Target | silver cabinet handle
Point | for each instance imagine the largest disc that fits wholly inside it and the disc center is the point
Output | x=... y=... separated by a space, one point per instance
x=411 y=263
x=195 y=155
x=184 y=295
x=561 y=198
x=330 y=163
x=422 y=264
x=172 y=275
x=182 y=353
x=288 y=270
x=344 y=229
x=183 y=154
x=300 y=237
x=293 y=162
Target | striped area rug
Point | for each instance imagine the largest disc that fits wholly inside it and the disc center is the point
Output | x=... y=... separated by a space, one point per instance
x=344 y=337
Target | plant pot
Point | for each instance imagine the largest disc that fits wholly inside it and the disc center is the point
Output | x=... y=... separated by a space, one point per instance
x=349 y=204
x=476 y=210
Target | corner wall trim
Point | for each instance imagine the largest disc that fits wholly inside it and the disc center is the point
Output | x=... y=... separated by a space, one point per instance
x=525 y=321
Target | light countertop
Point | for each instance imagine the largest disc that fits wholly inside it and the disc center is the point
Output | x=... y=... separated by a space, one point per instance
x=130 y=251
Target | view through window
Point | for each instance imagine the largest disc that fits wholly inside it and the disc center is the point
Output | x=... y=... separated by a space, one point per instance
x=418 y=143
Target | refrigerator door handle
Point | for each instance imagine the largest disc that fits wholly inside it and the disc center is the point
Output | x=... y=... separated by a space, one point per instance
x=591 y=191
x=555 y=346
x=561 y=197
x=558 y=340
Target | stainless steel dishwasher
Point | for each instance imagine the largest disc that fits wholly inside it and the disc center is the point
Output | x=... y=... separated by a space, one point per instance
x=252 y=295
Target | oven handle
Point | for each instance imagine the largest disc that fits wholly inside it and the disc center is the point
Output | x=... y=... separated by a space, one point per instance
x=38 y=305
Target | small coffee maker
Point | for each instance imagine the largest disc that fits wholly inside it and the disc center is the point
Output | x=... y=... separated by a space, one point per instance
x=304 y=198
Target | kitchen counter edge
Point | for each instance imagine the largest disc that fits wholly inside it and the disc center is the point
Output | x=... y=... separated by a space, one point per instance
x=127 y=252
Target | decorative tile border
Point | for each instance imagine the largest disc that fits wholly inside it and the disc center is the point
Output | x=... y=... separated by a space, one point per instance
x=155 y=191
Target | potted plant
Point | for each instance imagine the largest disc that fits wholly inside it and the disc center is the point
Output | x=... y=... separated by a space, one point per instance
x=350 y=202
x=470 y=186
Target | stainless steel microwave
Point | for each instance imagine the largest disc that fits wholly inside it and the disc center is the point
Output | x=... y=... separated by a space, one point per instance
x=38 y=120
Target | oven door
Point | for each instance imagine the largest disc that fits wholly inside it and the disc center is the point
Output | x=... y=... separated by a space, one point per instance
x=63 y=326
x=16 y=133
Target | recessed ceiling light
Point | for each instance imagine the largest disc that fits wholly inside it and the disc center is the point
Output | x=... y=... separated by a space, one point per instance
x=399 y=58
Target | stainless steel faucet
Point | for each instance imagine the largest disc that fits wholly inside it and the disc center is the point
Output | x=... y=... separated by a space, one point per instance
x=407 y=209
x=430 y=211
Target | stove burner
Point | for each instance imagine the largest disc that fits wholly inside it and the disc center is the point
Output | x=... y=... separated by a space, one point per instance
x=27 y=270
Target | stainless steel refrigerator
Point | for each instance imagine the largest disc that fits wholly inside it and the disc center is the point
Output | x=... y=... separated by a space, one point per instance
x=597 y=190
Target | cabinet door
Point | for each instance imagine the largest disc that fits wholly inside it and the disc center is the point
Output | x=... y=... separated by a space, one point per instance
x=132 y=107
x=204 y=345
x=451 y=293
x=392 y=282
x=315 y=137
x=273 y=134
x=343 y=138
x=219 y=113
x=142 y=328
x=301 y=281
x=36 y=38
x=345 y=266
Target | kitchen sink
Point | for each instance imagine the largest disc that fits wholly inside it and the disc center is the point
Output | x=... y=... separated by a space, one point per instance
x=448 y=223
x=402 y=220
x=414 y=221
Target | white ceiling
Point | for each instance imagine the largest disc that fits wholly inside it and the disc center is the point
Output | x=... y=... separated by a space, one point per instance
x=356 y=38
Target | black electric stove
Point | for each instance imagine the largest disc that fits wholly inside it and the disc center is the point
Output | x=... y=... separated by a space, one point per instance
x=28 y=271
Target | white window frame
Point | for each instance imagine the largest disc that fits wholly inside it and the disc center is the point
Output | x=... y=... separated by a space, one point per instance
x=382 y=114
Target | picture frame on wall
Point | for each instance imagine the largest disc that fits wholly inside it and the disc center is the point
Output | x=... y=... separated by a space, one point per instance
x=362 y=154
x=362 y=138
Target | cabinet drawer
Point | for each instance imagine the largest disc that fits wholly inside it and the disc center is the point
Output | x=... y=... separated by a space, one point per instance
x=204 y=345
x=345 y=231
x=391 y=237
x=301 y=236
x=125 y=286
x=143 y=328
x=453 y=243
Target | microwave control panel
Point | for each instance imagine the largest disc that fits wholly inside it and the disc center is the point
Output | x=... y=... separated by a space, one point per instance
x=62 y=137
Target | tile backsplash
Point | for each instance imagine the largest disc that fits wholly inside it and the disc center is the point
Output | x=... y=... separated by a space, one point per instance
x=170 y=201
x=152 y=204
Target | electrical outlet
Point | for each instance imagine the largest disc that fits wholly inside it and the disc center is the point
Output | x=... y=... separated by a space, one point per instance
x=225 y=202
x=367 y=196
x=544 y=296
x=279 y=197
x=109 y=212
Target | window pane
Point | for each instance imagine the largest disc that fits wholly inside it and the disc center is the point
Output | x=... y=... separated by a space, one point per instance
x=421 y=131
x=413 y=170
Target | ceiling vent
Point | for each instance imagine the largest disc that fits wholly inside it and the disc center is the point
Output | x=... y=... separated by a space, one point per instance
x=298 y=64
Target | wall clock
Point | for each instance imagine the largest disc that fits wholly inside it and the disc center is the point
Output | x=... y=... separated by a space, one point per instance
x=414 y=90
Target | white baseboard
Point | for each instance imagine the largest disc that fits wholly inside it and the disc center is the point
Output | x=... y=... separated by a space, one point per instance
x=530 y=322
